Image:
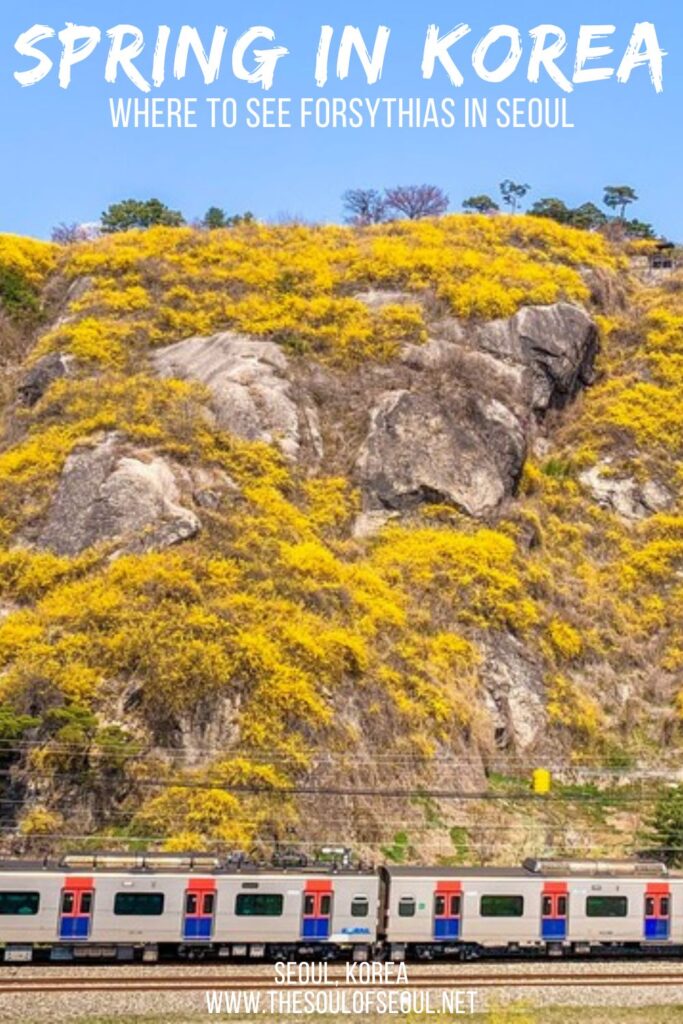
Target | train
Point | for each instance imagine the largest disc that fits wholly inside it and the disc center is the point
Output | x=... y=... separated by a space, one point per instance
x=151 y=907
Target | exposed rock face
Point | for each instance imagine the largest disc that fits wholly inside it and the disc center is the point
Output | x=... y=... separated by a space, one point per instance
x=556 y=345
x=624 y=495
x=450 y=421
x=210 y=486
x=459 y=432
x=38 y=378
x=105 y=494
x=514 y=693
x=369 y=524
x=253 y=396
x=6 y=608
x=377 y=298
x=456 y=449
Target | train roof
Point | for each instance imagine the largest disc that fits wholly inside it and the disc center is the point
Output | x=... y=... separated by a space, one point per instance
x=400 y=871
x=173 y=864
x=204 y=864
x=542 y=868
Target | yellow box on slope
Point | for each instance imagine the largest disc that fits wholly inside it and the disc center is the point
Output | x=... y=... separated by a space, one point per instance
x=541 y=779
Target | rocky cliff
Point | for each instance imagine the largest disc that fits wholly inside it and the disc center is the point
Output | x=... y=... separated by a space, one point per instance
x=286 y=508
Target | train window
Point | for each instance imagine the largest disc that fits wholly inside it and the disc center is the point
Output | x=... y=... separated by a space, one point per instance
x=562 y=906
x=209 y=902
x=309 y=905
x=547 y=906
x=664 y=906
x=325 y=905
x=68 y=903
x=501 y=906
x=24 y=903
x=439 y=905
x=649 y=906
x=143 y=904
x=191 y=903
x=86 y=902
x=406 y=906
x=259 y=904
x=360 y=906
x=455 y=906
x=606 y=906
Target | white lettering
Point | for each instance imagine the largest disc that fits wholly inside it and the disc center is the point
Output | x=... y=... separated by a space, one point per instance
x=585 y=51
x=352 y=39
x=511 y=61
x=26 y=47
x=437 y=47
x=266 y=60
x=544 y=56
x=644 y=48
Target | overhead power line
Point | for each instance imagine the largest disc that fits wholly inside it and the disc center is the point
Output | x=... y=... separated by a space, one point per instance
x=508 y=762
x=386 y=794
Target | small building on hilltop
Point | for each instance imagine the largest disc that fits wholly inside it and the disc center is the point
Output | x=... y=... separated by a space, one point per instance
x=662 y=259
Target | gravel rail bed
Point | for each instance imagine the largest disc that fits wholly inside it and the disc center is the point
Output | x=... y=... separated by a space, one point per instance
x=266 y=971
x=179 y=1006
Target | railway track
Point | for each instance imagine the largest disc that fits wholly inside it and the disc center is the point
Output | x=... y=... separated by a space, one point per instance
x=251 y=983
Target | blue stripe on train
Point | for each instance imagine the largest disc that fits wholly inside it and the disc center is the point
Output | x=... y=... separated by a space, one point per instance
x=447 y=928
x=656 y=928
x=74 y=927
x=315 y=928
x=554 y=928
x=197 y=928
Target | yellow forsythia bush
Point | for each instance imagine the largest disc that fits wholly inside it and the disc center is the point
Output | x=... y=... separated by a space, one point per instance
x=274 y=610
x=306 y=287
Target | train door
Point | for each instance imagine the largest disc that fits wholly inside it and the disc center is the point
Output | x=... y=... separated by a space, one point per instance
x=76 y=909
x=657 y=911
x=447 y=910
x=317 y=910
x=554 y=911
x=200 y=910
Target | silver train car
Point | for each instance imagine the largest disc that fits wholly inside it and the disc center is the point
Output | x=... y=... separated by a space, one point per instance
x=150 y=907
x=558 y=907
x=124 y=908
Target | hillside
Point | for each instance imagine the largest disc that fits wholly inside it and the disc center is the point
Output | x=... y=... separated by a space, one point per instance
x=321 y=507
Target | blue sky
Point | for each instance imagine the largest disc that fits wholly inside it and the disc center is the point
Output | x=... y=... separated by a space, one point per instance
x=62 y=160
